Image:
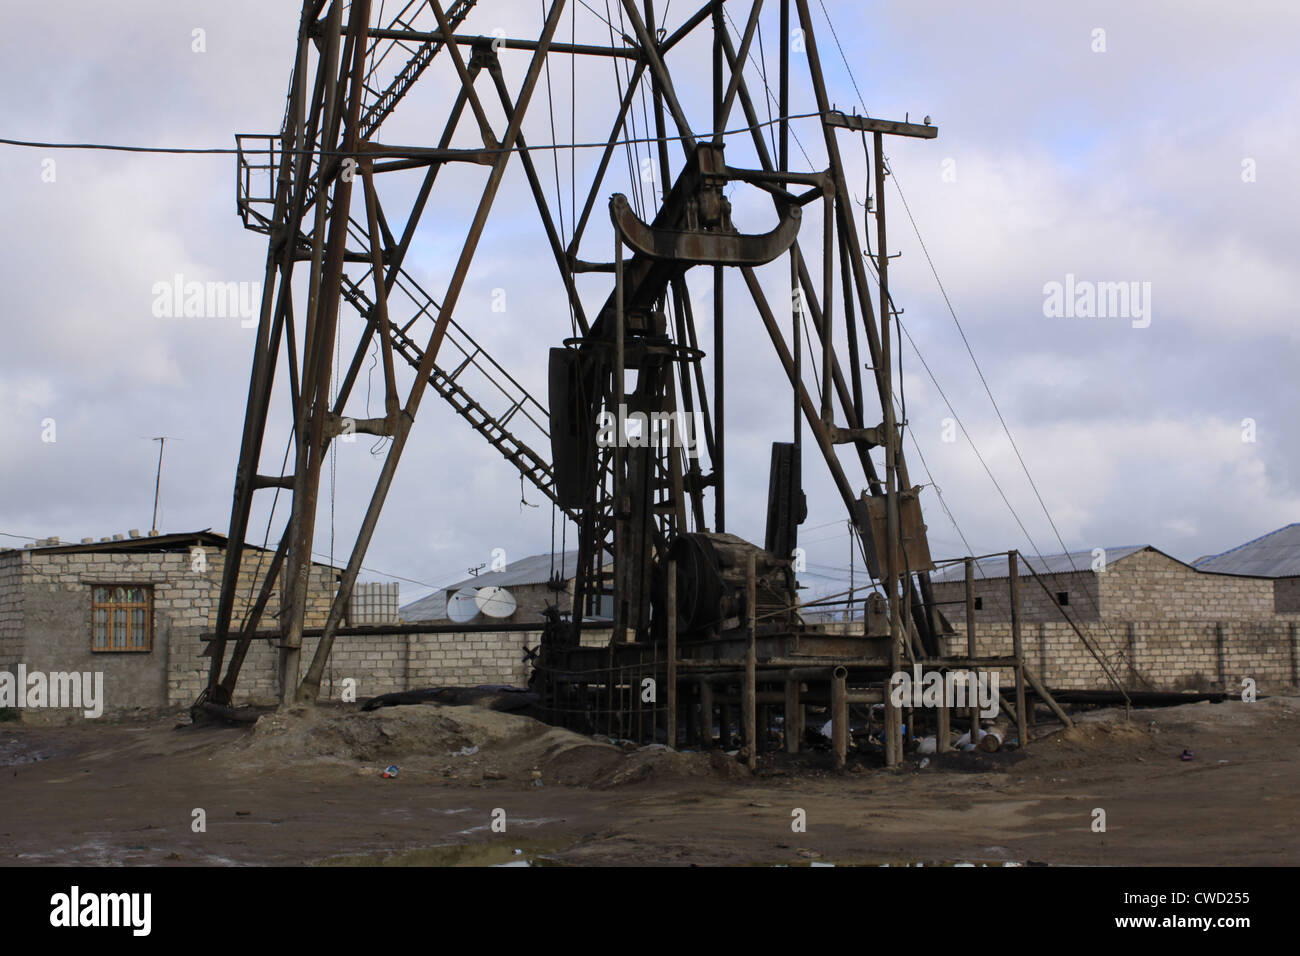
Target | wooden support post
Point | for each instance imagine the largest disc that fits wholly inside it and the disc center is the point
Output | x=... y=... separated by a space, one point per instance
x=793 y=717
x=1017 y=646
x=1221 y=647
x=706 y=714
x=942 y=731
x=634 y=708
x=751 y=662
x=1047 y=698
x=609 y=694
x=970 y=649
x=839 y=717
x=893 y=736
x=672 y=654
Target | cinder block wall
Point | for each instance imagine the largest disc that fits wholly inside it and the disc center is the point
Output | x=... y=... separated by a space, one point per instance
x=1036 y=604
x=1171 y=655
x=1148 y=586
x=12 y=571
x=381 y=663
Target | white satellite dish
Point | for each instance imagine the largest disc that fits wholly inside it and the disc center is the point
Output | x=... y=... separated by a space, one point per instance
x=462 y=606
x=495 y=602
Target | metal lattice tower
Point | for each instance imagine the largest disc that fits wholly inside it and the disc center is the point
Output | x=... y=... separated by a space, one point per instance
x=358 y=65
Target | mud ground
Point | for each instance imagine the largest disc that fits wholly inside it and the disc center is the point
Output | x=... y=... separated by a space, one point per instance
x=308 y=790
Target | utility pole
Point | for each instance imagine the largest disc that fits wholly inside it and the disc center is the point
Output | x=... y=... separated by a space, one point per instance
x=157 y=480
x=852 y=568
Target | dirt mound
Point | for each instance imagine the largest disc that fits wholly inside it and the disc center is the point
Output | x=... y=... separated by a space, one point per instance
x=463 y=743
x=1100 y=736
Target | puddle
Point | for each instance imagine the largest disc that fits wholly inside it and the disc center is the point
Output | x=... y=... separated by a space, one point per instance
x=468 y=854
x=15 y=753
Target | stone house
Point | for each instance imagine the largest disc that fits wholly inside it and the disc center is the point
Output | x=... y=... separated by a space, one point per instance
x=132 y=608
x=1157 y=622
x=137 y=612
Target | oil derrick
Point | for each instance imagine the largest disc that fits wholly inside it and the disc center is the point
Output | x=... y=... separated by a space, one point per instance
x=642 y=500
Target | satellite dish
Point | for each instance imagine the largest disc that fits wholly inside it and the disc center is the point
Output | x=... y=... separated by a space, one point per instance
x=462 y=606
x=495 y=602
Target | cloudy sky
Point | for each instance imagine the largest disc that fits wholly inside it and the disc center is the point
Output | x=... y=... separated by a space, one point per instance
x=1150 y=143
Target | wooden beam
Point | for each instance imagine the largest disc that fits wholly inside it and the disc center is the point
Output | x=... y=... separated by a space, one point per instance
x=869 y=125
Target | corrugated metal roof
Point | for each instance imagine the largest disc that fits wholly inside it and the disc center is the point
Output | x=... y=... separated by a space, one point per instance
x=1274 y=555
x=534 y=569
x=157 y=542
x=431 y=607
x=1068 y=563
x=172 y=541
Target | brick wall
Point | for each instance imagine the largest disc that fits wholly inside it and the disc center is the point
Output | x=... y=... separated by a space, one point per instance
x=12 y=569
x=1150 y=586
x=379 y=663
x=1170 y=655
x=1162 y=625
x=1036 y=603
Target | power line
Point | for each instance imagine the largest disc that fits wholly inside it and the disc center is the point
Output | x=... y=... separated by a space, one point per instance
x=232 y=151
x=970 y=352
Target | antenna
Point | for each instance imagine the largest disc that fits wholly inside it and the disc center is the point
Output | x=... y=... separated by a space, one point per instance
x=495 y=601
x=462 y=607
x=157 y=480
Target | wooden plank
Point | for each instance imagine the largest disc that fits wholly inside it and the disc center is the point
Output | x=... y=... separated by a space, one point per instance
x=1017 y=646
x=706 y=715
x=1047 y=698
x=970 y=644
x=793 y=716
x=869 y=125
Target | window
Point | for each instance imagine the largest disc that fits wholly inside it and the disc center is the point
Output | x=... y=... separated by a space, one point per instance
x=1063 y=598
x=979 y=604
x=122 y=618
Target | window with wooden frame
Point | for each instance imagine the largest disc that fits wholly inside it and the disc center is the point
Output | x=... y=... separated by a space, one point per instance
x=121 y=618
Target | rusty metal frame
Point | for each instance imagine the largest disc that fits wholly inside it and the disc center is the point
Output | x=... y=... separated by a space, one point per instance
x=332 y=120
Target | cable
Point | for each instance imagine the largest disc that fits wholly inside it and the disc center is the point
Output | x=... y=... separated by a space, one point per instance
x=1006 y=429
x=232 y=151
